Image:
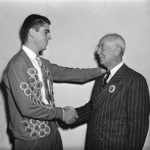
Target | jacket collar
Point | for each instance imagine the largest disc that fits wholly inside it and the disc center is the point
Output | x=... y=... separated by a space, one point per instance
x=114 y=82
x=21 y=53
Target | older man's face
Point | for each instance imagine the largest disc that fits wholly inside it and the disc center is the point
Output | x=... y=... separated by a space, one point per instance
x=105 y=52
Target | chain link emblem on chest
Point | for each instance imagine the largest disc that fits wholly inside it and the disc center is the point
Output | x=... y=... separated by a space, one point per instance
x=112 y=88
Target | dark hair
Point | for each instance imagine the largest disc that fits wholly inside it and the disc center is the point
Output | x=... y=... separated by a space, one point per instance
x=32 y=21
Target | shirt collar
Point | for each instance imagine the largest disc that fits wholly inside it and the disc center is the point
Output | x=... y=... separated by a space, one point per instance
x=116 y=68
x=29 y=52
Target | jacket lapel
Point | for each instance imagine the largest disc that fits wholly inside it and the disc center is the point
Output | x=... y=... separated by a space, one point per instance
x=21 y=53
x=113 y=84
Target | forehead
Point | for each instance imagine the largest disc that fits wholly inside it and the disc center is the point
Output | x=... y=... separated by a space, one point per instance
x=103 y=42
x=45 y=26
x=109 y=41
x=106 y=39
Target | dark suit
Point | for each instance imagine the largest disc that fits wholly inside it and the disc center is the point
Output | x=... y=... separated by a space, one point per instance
x=30 y=118
x=118 y=114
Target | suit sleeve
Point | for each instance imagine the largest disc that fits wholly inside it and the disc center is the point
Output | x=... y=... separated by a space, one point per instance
x=84 y=113
x=83 y=117
x=16 y=77
x=138 y=113
x=65 y=74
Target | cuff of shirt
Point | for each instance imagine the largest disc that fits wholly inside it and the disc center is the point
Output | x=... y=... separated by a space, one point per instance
x=59 y=112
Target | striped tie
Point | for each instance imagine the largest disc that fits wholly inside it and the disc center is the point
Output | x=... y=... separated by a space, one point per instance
x=48 y=94
x=106 y=76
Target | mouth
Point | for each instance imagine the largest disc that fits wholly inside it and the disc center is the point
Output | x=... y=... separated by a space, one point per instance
x=46 y=43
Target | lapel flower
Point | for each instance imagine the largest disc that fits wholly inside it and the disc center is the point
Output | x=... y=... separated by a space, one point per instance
x=112 y=88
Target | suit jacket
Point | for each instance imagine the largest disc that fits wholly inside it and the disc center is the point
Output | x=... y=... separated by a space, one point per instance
x=29 y=116
x=118 y=114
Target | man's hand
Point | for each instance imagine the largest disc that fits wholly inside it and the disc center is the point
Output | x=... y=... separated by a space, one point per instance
x=69 y=115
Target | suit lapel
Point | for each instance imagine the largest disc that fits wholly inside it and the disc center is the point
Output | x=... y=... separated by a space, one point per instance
x=101 y=93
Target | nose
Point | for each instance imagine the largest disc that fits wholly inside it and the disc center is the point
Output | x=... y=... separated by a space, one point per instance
x=49 y=37
x=98 y=50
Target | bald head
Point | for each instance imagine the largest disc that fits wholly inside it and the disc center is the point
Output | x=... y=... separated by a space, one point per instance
x=117 y=40
x=110 y=50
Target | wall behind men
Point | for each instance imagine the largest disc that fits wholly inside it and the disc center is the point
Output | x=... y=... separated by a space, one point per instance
x=76 y=28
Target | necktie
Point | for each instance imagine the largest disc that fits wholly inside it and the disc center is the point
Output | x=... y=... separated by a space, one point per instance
x=47 y=82
x=106 y=76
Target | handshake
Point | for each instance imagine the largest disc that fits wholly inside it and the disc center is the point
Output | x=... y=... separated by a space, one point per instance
x=69 y=115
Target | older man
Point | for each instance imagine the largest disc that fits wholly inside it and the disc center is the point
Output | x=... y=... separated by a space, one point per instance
x=118 y=112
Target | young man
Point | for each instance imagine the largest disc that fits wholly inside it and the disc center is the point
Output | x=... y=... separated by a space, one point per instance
x=28 y=80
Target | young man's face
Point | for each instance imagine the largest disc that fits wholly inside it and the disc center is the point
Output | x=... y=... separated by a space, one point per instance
x=41 y=37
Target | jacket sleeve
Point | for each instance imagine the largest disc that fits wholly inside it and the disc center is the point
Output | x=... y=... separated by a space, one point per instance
x=16 y=82
x=138 y=113
x=65 y=74
x=84 y=113
x=83 y=117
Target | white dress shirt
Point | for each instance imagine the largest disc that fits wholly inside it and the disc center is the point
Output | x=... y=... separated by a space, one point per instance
x=32 y=57
x=114 y=70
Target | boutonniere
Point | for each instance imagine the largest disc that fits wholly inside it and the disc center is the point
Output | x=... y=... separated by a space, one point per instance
x=112 y=88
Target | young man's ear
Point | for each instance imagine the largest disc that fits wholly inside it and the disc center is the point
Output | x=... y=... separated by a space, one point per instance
x=32 y=32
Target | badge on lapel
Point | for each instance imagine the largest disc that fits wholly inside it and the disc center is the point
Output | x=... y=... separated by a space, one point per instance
x=112 y=88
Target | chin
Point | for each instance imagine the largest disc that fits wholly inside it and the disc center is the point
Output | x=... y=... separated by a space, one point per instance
x=103 y=65
x=44 y=48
